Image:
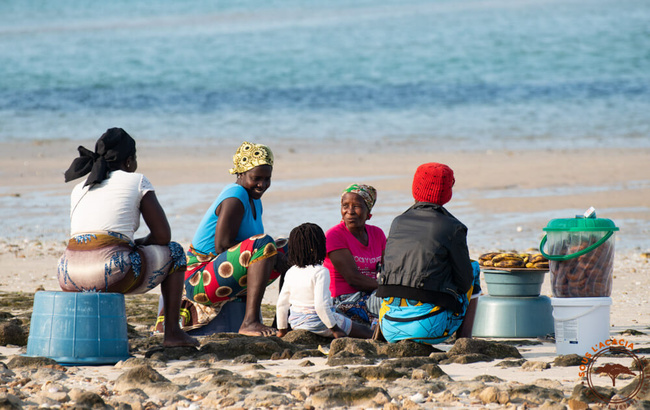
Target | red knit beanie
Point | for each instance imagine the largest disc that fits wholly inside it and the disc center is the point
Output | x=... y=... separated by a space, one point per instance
x=432 y=183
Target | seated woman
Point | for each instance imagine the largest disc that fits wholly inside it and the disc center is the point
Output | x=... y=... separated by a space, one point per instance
x=354 y=253
x=230 y=256
x=428 y=280
x=102 y=255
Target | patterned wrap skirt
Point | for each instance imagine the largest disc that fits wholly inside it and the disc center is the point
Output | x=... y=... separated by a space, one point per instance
x=212 y=279
x=361 y=307
x=111 y=262
x=405 y=319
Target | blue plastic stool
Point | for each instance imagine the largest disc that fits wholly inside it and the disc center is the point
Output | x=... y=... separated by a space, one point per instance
x=79 y=328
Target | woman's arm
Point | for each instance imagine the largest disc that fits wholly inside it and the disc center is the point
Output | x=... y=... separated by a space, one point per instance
x=156 y=220
x=230 y=213
x=343 y=262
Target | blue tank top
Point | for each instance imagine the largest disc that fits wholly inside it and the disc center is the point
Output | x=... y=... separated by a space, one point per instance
x=204 y=236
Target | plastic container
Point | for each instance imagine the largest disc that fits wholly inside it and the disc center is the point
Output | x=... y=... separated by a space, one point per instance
x=513 y=317
x=580 y=323
x=581 y=256
x=79 y=328
x=513 y=283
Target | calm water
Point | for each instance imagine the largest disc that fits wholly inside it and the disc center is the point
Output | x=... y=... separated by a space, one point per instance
x=469 y=74
x=460 y=74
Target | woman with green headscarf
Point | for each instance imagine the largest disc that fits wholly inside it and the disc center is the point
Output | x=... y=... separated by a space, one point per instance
x=354 y=254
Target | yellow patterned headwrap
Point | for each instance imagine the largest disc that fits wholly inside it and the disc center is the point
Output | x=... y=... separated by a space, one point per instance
x=249 y=156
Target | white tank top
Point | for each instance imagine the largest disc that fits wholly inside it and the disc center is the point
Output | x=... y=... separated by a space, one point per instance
x=113 y=205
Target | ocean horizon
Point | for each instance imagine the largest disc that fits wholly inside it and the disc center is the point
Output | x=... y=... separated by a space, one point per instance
x=461 y=74
x=438 y=75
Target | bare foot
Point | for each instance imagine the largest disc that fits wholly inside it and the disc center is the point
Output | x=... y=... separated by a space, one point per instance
x=257 y=329
x=180 y=339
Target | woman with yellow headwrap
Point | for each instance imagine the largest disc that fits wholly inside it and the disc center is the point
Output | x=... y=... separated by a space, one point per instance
x=230 y=256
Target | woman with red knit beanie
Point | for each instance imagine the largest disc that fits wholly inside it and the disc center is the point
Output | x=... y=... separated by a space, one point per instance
x=427 y=280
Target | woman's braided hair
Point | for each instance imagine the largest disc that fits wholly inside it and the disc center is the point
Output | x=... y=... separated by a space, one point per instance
x=306 y=245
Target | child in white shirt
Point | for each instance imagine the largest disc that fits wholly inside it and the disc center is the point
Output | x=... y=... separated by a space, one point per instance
x=305 y=301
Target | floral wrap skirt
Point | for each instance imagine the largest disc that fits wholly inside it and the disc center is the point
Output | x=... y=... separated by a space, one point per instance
x=211 y=279
x=361 y=307
x=111 y=262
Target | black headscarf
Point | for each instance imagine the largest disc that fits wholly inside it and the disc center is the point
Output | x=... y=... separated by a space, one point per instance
x=112 y=148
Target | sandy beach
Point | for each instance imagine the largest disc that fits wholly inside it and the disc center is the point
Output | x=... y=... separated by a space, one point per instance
x=505 y=198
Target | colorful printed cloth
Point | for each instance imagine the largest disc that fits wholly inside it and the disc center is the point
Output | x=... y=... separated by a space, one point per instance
x=210 y=279
x=404 y=319
x=207 y=292
x=361 y=307
x=111 y=262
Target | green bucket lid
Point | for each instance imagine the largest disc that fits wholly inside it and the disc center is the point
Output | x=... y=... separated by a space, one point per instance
x=586 y=223
x=579 y=224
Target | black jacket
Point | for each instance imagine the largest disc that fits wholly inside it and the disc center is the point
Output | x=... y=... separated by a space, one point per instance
x=426 y=257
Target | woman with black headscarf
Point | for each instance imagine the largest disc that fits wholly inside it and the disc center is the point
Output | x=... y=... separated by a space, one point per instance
x=102 y=254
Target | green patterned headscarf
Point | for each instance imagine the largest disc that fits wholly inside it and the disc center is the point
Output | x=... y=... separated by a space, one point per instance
x=367 y=192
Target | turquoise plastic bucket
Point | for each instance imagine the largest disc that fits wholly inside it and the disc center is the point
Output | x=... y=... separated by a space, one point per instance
x=79 y=328
x=513 y=317
x=513 y=283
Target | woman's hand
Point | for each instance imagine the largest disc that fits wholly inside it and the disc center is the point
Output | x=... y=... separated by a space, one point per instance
x=344 y=263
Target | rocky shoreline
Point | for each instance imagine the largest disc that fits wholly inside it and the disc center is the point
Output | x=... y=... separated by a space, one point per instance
x=299 y=371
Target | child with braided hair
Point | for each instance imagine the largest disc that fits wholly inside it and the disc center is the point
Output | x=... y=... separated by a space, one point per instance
x=305 y=301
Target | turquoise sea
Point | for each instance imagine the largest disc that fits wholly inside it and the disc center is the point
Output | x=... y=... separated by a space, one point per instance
x=458 y=74
x=469 y=74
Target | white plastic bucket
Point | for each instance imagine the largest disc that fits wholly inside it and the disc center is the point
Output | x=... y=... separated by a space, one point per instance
x=580 y=323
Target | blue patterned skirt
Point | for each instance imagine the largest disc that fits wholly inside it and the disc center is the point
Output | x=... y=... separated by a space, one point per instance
x=405 y=319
